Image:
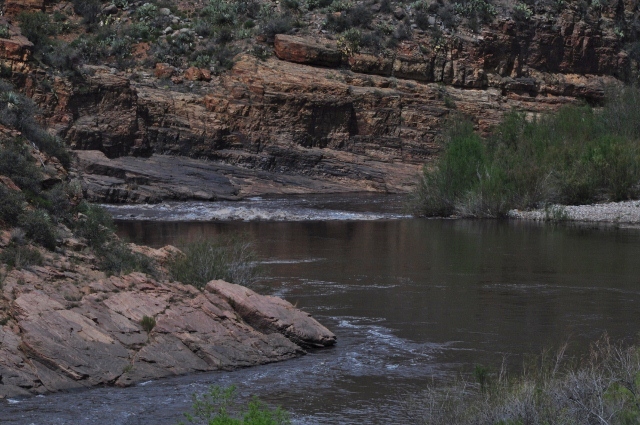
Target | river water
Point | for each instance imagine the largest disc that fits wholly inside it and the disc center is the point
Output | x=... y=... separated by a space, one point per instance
x=411 y=300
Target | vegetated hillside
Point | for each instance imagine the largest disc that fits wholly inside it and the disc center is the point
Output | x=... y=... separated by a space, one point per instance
x=79 y=307
x=296 y=96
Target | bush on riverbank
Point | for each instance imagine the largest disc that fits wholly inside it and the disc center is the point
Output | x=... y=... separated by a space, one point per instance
x=218 y=406
x=228 y=258
x=602 y=388
x=578 y=155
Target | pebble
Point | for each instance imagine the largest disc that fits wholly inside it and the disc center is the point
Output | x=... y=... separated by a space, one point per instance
x=627 y=212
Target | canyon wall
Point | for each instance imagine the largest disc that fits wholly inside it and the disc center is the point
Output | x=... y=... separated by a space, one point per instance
x=315 y=117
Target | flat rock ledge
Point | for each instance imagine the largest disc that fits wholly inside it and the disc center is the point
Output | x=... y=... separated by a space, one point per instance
x=90 y=334
x=627 y=213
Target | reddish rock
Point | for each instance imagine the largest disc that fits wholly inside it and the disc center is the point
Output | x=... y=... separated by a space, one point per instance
x=9 y=184
x=295 y=126
x=17 y=48
x=308 y=51
x=62 y=336
x=197 y=74
x=273 y=315
x=164 y=71
x=14 y=7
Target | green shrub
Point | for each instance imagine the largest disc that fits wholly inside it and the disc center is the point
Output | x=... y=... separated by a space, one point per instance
x=261 y=52
x=39 y=228
x=88 y=9
x=115 y=258
x=147 y=11
x=574 y=156
x=280 y=24
x=139 y=31
x=359 y=17
x=221 y=12
x=20 y=257
x=522 y=12
x=19 y=112
x=482 y=10
x=350 y=40
x=37 y=27
x=422 y=20
x=218 y=407
x=228 y=258
x=17 y=164
x=11 y=207
x=95 y=226
x=293 y=5
x=317 y=4
x=148 y=323
x=4 y=31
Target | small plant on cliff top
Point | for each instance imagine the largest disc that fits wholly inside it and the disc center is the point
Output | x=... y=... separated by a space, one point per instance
x=148 y=323
x=522 y=12
x=4 y=31
x=218 y=406
x=227 y=258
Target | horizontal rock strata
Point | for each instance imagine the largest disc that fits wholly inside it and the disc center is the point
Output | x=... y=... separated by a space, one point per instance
x=321 y=112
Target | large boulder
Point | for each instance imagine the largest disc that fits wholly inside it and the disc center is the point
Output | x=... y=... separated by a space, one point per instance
x=273 y=315
x=307 y=50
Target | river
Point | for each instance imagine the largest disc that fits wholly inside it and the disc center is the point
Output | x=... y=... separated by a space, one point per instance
x=411 y=300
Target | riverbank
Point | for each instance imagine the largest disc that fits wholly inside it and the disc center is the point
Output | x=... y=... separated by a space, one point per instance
x=66 y=325
x=626 y=212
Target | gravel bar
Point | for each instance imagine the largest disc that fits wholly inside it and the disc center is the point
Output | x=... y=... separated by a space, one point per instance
x=627 y=212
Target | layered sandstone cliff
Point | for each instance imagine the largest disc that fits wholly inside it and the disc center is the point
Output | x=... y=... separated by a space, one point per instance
x=315 y=118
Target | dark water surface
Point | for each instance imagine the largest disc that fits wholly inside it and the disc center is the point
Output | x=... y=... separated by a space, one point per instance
x=409 y=299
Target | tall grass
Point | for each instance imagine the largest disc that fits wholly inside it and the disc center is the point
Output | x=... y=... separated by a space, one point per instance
x=230 y=258
x=602 y=388
x=578 y=155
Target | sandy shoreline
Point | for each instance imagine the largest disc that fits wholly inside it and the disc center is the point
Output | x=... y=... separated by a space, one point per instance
x=627 y=212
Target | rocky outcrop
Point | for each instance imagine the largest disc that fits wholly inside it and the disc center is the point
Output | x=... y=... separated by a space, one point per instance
x=13 y=7
x=278 y=127
x=16 y=48
x=68 y=326
x=307 y=51
x=162 y=177
x=103 y=114
x=273 y=315
x=315 y=119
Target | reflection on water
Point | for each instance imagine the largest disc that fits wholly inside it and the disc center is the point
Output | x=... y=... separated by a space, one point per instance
x=409 y=299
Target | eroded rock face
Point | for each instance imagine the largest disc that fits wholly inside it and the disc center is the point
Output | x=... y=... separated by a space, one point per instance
x=16 y=49
x=80 y=329
x=319 y=52
x=278 y=127
x=13 y=7
x=315 y=120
